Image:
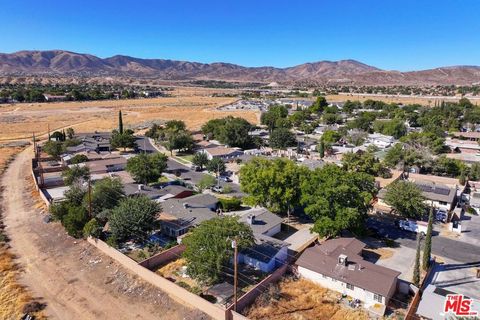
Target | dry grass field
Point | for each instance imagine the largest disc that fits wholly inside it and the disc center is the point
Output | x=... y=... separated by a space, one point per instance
x=13 y=297
x=301 y=300
x=195 y=106
x=427 y=101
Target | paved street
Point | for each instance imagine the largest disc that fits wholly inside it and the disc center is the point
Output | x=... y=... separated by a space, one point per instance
x=470 y=229
x=459 y=251
x=187 y=174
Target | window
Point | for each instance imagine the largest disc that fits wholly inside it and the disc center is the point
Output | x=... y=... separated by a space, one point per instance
x=378 y=297
x=350 y=286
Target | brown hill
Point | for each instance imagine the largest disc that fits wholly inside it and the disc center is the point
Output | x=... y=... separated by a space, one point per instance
x=59 y=62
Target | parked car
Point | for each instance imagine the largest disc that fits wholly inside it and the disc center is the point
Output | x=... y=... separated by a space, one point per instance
x=217 y=189
x=196 y=168
x=441 y=215
x=413 y=226
x=225 y=178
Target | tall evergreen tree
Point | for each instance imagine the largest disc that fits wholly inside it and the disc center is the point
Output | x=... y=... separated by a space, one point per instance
x=120 y=122
x=416 y=268
x=427 y=249
x=321 y=149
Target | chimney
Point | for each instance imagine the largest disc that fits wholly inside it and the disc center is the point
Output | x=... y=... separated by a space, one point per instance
x=140 y=187
x=251 y=219
x=342 y=260
x=185 y=205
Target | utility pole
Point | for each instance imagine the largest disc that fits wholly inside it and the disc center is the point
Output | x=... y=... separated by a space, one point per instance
x=89 y=199
x=235 y=262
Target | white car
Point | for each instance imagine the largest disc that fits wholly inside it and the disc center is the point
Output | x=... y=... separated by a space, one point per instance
x=217 y=189
x=413 y=226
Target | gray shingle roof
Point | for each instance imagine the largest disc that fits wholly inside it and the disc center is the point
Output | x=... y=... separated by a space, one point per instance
x=323 y=259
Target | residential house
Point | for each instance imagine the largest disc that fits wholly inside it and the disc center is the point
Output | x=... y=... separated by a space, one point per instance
x=472 y=135
x=337 y=264
x=106 y=165
x=380 y=140
x=180 y=215
x=441 y=192
x=96 y=142
x=157 y=194
x=223 y=153
x=53 y=98
x=267 y=253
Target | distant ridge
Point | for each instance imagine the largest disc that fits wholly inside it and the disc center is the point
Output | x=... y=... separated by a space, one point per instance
x=66 y=63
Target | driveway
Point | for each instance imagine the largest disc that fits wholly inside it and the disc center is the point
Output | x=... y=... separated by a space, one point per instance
x=401 y=260
x=470 y=229
x=459 y=251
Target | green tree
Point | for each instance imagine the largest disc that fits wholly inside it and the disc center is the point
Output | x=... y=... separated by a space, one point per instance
x=216 y=165
x=120 y=122
x=330 y=137
x=321 y=149
x=319 y=105
x=106 y=193
x=427 y=249
x=273 y=184
x=336 y=199
x=146 y=168
x=75 y=220
x=209 y=250
x=134 y=218
x=122 y=140
x=206 y=182
x=395 y=127
x=54 y=148
x=57 y=135
x=76 y=174
x=416 y=267
x=273 y=118
x=230 y=204
x=364 y=162
x=200 y=159
x=175 y=125
x=78 y=158
x=234 y=133
x=179 y=140
x=230 y=131
x=92 y=229
x=406 y=198
x=70 y=133
x=282 y=138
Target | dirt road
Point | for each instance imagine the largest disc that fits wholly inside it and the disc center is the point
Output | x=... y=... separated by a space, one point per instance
x=75 y=280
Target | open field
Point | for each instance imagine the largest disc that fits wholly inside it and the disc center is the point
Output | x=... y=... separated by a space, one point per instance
x=301 y=300
x=195 y=106
x=423 y=100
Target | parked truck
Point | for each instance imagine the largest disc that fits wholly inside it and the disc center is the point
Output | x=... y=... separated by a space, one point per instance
x=413 y=226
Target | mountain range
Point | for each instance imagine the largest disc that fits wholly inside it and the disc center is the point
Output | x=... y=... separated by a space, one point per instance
x=66 y=63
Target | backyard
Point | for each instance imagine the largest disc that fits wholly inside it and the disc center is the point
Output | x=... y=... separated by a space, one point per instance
x=301 y=299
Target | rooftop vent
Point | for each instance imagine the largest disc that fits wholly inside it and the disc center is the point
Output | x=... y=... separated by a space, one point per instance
x=342 y=260
x=251 y=219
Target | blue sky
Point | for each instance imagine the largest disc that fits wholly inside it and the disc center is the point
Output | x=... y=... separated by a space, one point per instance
x=401 y=35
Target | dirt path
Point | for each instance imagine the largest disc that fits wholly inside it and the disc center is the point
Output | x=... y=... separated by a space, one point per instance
x=75 y=280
